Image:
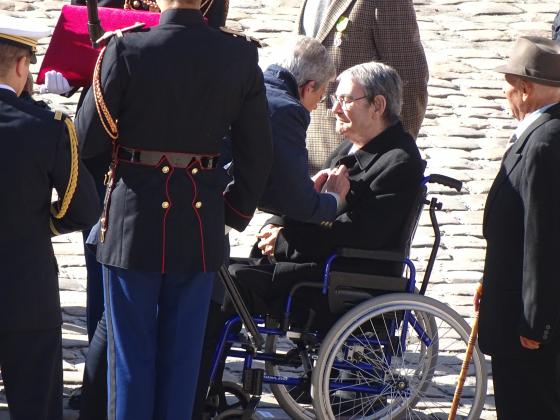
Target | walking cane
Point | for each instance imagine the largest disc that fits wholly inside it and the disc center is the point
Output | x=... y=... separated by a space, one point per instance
x=465 y=367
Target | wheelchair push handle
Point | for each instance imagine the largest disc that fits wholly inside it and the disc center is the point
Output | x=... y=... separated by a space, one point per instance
x=445 y=180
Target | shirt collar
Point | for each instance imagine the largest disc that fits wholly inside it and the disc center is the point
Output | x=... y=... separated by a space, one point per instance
x=2 y=86
x=529 y=119
x=384 y=140
x=278 y=76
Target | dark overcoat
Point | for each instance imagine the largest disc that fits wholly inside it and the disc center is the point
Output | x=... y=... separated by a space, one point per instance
x=522 y=225
x=289 y=190
x=385 y=176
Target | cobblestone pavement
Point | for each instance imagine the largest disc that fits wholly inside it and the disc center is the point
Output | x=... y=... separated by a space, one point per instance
x=464 y=134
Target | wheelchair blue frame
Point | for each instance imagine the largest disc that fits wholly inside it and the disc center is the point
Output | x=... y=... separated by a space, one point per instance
x=249 y=354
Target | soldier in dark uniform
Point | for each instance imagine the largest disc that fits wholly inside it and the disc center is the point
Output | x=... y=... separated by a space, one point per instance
x=167 y=96
x=43 y=154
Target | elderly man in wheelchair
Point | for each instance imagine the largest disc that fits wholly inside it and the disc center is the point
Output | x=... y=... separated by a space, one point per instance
x=309 y=286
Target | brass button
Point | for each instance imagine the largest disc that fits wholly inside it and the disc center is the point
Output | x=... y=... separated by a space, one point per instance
x=165 y=204
x=198 y=204
x=194 y=171
x=136 y=4
x=165 y=169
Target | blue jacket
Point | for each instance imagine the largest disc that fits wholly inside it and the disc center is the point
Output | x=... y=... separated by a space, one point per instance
x=289 y=190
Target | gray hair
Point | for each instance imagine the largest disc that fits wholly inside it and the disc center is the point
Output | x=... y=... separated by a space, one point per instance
x=379 y=79
x=306 y=60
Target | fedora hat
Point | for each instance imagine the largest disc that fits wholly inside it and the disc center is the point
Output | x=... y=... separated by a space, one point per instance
x=535 y=59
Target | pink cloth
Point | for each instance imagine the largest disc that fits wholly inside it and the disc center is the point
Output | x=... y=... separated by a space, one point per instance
x=70 y=51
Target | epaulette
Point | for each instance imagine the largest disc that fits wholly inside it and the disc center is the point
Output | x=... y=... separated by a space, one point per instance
x=119 y=33
x=235 y=33
x=59 y=115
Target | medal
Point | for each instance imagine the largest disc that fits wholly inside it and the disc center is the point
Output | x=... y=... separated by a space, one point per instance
x=338 y=39
x=341 y=25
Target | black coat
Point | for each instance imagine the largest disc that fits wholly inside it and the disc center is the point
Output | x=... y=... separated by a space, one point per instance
x=384 y=179
x=289 y=190
x=179 y=87
x=37 y=160
x=521 y=295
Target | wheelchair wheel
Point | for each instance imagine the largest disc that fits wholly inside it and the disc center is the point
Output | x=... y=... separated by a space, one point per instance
x=296 y=401
x=397 y=356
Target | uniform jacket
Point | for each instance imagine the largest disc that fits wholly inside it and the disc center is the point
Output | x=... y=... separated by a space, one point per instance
x=289 y=190
x=522 y=225
x=39 y=159
x=179 y=87
x=384 y=179
x=377 y=30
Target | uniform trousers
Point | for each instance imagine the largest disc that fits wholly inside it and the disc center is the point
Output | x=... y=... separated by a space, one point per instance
x=155 y=331
x=31 y=363
x=527 y=386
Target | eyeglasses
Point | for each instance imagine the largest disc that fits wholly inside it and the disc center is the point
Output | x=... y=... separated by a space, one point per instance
x=344 y=101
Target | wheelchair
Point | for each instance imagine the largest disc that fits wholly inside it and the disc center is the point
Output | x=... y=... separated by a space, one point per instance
x=391 y=353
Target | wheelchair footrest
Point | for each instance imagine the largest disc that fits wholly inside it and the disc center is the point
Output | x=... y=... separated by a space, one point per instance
x=253 y=380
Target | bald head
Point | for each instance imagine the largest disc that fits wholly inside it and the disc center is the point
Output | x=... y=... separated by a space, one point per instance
x=526 y=96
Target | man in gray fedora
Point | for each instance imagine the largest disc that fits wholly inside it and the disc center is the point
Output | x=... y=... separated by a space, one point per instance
x=520 y=301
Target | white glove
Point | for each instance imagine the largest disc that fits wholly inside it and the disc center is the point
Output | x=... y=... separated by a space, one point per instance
x=55 y=82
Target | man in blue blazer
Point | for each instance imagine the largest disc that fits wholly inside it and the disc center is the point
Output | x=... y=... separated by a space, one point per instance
x=519 y=309
x=294 y=87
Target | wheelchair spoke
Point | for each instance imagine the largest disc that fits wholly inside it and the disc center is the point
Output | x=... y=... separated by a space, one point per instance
x=397 y=359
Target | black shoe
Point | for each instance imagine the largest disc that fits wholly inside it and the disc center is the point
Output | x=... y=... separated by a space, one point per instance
x=74 y=400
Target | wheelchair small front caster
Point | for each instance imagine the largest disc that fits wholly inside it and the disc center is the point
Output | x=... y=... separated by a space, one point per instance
x=235 y=414
x=227 y=396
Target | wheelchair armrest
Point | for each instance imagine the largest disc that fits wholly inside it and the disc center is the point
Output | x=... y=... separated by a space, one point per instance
x=367 y=254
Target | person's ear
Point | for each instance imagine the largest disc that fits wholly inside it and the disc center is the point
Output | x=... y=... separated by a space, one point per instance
x=22 y=67
x=305 y=89
x=526 y=89
x=379 y=104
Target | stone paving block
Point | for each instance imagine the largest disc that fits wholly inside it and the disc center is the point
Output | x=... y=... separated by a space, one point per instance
x=456 y=230
x=462 y=254
x=478 y=187
x=489 y=8
x=534 y=7
x=473 y=102
x=463 y=241
x=485 y=35
x=469 y=217
x=475 y=202
x=441 y=83
x=441 y=154
x=495 y=153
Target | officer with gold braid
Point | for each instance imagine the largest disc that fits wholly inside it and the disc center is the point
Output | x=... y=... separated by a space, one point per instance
x=41 y=151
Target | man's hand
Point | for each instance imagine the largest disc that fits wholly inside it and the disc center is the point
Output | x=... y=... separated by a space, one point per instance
x=319 y=179
x=338 y=182
x=267 y=239
x=477 y=296
x=55 y=82
x=528 y=343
